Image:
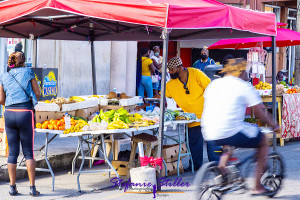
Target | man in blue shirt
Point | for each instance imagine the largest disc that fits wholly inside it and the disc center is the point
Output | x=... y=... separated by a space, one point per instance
x=204 y=60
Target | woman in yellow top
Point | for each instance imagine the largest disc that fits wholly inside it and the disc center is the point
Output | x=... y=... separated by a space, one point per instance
x=145 y=68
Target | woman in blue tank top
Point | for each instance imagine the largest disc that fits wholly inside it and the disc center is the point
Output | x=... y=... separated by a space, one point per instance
x=19 y=92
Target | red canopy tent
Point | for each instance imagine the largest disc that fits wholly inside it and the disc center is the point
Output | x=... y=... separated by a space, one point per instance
x=137 y=20
x=126 y=20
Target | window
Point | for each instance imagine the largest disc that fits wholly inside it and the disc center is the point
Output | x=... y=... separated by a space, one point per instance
x=273 y=9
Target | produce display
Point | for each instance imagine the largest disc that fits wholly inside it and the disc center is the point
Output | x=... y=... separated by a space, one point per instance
x=176 y=115
x=280 y=89
x=263 y=86
x=251 y=120
x=186 y=116
x=60 y=100
x=292 y=91
x=76 y=126
x=75 y=98
x=58 y=124
x=284 y=84
x=115 y=119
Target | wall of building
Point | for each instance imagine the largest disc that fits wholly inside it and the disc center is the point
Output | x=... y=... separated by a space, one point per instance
x=73 y=60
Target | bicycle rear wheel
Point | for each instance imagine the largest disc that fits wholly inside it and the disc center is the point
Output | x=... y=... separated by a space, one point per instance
x=273 y=177
x=208 y=181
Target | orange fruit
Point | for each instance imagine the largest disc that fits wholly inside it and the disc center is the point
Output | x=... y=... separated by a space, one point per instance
x=55 y=127
x=63 y=121
x=44 y=126
x=62 y=127
x=38 y=125
x=51 y=121
x=50 y=126
x=46 y=122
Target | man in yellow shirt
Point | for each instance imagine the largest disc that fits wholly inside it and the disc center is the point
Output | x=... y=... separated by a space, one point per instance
x=187 y=87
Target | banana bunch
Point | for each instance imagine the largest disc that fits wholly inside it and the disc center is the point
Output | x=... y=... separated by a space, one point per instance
x=138 y=116
x=97 y=118
x=107 y=116
x=123 y=115
x=140 y=124
x=118 y=125
x=77 y=99
x=77 y=128
x=135 y=118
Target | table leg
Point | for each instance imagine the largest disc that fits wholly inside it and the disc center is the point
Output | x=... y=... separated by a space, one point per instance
x=47 y=143
x=47 y=161
x=108 y=162
x=178 y=161
x=75 y=158
x=280 y=123
x=21 y=161
x=188 y=146
x=82 y=162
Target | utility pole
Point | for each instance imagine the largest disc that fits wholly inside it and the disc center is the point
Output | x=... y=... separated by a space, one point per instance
x=297 y=63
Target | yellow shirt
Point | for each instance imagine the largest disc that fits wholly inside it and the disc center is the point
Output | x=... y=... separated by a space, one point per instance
x=193 y=102
x=146 y=62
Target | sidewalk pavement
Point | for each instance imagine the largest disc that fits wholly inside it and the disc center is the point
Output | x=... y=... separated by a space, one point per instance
x=95 y=186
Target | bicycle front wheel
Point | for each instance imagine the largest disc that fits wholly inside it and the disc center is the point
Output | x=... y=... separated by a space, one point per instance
x=273 y=177
x=208 y=181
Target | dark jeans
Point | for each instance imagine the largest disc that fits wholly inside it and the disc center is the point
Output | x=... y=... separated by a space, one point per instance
x=196 y=146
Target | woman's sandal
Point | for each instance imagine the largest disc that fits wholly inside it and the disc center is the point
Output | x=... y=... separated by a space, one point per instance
x=13 y=190
x=33 y=192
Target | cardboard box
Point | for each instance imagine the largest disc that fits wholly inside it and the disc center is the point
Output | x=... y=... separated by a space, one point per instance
x=86 y=112
x=172 y=168
x=41 y=116
x=112 y=107
x=59 y=115
x=170 y=152
x=120 y=166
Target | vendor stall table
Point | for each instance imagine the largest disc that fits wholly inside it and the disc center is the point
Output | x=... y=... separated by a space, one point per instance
x=179 y=141
x=47 y=141
x=98 y=138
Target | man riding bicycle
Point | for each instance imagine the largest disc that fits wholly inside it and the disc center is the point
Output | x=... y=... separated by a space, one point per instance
x=225 y=103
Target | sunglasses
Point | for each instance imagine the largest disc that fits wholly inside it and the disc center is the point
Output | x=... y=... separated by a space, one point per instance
x=186 y=89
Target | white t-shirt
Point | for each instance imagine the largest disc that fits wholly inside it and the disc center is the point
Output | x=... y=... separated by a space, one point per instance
x=225 y=103
x=157 y=59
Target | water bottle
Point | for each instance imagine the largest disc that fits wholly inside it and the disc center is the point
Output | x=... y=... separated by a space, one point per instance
x=67 y=121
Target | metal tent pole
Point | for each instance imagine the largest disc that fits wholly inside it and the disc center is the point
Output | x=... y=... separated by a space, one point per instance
x=274 y=87
x=165 y=36
x=92 y=37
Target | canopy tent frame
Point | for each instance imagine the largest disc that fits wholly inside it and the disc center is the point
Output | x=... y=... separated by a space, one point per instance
x=165 y=20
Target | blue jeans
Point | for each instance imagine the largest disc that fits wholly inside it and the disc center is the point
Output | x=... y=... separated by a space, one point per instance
x=196 y=146
x=146 y=84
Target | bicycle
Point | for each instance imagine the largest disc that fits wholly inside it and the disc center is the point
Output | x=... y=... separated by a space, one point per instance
x=215 y=187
